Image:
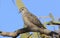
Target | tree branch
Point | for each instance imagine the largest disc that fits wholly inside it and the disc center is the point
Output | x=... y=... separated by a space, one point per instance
x=53 y=23
x=24 y=30
x=14 y=34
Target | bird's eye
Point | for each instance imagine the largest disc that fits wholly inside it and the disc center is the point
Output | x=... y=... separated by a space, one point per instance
x=22 y=9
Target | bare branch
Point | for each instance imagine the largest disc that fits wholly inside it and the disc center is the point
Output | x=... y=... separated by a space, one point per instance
x=24 y=30
x=14 y=34
x=53 y=23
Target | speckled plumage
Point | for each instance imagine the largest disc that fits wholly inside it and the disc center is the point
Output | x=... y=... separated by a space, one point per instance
x=30 y=19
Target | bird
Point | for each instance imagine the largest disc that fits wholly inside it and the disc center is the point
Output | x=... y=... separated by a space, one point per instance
x=29 y=18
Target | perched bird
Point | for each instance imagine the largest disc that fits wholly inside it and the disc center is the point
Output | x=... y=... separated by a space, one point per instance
x=30 y=18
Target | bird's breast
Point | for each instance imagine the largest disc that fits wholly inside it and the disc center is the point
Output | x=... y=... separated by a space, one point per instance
x=26 y=20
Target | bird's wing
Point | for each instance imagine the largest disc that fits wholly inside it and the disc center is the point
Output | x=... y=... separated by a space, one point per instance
x=32 y=18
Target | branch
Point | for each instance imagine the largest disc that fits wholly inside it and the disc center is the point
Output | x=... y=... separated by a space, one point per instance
x=24 y=30
x=14 y=34
x=53 y=23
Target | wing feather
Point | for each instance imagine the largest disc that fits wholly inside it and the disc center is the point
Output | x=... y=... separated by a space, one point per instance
x=32 y=18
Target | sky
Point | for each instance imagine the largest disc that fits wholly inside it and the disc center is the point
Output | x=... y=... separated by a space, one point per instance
x=11 y=20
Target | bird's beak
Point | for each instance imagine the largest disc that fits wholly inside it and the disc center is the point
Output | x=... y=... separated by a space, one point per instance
x=19 y=11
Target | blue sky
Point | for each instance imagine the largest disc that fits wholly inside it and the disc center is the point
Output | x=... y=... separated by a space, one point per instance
x=11 y=20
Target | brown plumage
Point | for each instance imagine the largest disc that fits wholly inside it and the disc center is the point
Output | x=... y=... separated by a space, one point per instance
x=29 y=18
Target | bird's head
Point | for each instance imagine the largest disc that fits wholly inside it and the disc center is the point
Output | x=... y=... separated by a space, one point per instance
x=23 y=10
